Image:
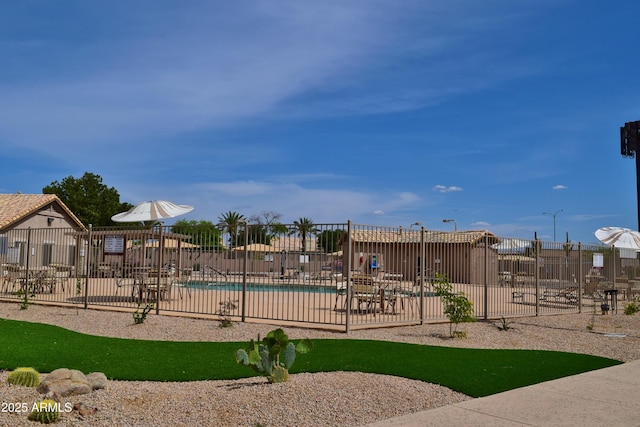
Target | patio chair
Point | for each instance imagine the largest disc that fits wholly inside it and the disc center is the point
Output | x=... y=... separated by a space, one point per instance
x=428 y=275
x=125 y=283
x=633 y=289
x=47 y=280
x=182 y=282
x=341 y=291
x=10 y=278
x=365 y=292
x=163 y=291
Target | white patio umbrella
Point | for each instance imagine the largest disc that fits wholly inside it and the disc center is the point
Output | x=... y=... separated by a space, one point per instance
x=620 y=237
x=509 y=245
x=152 y=211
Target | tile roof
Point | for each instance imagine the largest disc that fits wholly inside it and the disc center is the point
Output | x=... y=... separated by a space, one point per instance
x=411 y=236
x=294 y=243
x=15 y=207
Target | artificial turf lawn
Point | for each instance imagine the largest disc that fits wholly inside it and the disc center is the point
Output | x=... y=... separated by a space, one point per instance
x=474 y=372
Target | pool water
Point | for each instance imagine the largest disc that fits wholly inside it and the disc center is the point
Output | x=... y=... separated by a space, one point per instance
x=260 y=287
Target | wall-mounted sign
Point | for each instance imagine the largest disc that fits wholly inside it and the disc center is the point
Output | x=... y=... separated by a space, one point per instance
x=113 y=245
x=598 y=260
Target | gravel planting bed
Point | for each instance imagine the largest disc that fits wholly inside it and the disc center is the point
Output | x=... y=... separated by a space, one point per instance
x=322 y=399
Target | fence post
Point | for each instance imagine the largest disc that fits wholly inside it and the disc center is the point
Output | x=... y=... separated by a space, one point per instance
x=537 y=274
x=422 y=271
x=486 y=276
x=244 y=271
x=580 y=277
x=348 y=275
x=160 y=265
x=87 y=267
x=27 y=273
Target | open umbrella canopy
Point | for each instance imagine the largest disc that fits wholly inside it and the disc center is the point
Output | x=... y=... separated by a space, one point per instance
x=510 y=245
x=619 y=237
x=152 y=211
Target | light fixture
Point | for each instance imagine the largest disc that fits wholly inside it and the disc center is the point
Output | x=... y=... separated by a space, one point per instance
x=49 y=221
x=418 y=223
x=455 y=224
x=554 y=221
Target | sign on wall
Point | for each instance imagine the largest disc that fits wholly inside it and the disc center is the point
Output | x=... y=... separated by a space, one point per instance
x=598 y=260
x=113 y=245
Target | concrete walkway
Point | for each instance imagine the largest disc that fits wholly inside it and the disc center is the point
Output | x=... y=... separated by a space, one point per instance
x=606 y=397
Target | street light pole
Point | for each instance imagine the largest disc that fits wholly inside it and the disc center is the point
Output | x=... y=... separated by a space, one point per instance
x=455 y=224
x=554 y=221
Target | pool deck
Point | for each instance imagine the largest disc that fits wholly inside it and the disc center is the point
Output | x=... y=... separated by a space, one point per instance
x=273 y=303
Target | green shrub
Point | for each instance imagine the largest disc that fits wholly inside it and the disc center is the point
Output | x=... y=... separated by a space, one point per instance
x=138 y=317
x=226 y=308
x=457 y=306
x=632 y=308
x=504 y=325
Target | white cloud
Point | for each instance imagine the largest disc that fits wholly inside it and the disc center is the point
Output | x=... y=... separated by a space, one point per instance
x=481 y=224
x=322 y=205
x=189 y=70
x=445 y=189
x=560 y=187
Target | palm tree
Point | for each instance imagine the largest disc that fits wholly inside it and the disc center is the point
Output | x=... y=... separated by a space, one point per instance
x=229 y=222
x=269 y=223
x=304 y=227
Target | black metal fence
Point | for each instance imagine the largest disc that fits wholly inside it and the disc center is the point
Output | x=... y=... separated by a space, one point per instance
x=340 y=275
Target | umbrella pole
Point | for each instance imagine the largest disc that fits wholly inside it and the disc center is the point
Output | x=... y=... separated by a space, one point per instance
x=614 y=265
x=160 y=262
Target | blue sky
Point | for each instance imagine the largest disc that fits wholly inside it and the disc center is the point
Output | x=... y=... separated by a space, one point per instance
x=382 y=112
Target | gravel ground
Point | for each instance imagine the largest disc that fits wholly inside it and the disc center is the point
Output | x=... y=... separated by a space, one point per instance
x=323 y=399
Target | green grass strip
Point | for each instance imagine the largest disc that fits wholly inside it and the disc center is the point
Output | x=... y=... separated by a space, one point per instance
x=475 y=372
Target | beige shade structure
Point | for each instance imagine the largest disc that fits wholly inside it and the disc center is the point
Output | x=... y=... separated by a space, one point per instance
x=168 y=244
x=172 y=244
x=257 y=247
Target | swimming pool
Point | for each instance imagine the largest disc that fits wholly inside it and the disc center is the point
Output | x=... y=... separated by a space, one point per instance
x=260 y=287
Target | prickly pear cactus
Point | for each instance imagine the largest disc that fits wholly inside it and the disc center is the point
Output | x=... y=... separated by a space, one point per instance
x=289 y=355
x=264 y=356
x=27 y=377
x=242 y=357
x=280 y=374
x=46 y=411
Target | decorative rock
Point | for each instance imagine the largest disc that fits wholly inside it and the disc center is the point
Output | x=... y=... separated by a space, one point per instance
x=84 y=410
x=65 y=382
x=98 y=380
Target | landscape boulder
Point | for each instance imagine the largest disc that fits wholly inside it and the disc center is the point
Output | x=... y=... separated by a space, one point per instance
x=70 y=382
x=98 y=380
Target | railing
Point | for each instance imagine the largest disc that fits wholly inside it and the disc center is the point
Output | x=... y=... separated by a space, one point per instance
x=340 y=275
